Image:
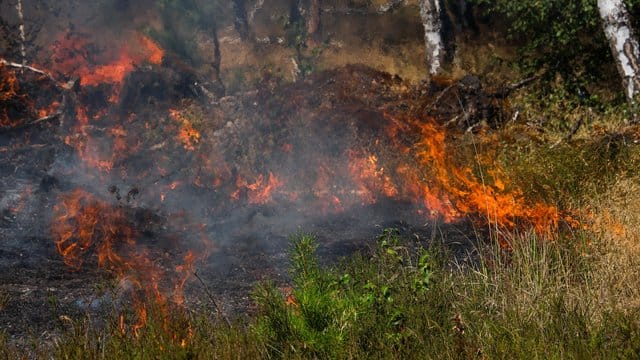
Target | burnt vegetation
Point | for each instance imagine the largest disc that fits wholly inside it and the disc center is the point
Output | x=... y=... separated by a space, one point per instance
x=284 y=179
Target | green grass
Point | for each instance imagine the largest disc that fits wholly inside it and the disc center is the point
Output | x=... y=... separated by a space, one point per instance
x=540 y=299
x=575 y=295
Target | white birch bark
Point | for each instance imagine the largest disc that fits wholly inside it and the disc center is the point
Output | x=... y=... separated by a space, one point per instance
x=430 y=12
x=624 y=45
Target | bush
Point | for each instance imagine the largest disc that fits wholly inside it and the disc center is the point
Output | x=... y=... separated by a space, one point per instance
x=564 y=36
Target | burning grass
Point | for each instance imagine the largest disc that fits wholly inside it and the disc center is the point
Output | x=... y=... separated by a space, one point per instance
x=571 y=292
x=540 y=298
x=551 y=289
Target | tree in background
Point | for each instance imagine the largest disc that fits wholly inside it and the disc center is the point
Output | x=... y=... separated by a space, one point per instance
x=431 y=13
x=624 y=45
x=564 y=37
x=240 y=21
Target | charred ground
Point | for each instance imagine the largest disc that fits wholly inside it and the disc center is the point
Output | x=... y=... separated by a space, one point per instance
x=304 y=131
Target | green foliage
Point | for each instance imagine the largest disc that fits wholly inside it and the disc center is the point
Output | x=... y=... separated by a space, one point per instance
x=363 y=308
x=563 y=36
x=570 y=173
x=538 y=299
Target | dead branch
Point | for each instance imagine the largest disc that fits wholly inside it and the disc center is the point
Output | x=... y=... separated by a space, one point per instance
x=508 y=89
x=523 y=82
x=55 y=115
x=35 y=70
x=4 y=149
x=45 y=118
x=213 y=300
x=438 y=98
x=573 y=131
x=63 y=87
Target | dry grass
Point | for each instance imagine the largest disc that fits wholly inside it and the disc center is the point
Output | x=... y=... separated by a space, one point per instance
x=616 y=223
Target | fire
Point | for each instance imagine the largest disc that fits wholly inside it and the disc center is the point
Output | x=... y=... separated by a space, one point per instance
x=84 y=225
x=8 y=83
x=12 y=100
x=455 y=192
x=88 y=228
x=46 y=111
x=184 y=270
x=187 y=135
x=153 y=51
x=73 y=55
x=370 y=177
x=105 y=66
x=257 y=192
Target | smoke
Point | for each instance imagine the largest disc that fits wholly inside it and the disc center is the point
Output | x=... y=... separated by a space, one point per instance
x=150 y=173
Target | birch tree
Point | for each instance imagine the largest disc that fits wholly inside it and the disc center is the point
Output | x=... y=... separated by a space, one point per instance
x=431 y=15
x=624 y=44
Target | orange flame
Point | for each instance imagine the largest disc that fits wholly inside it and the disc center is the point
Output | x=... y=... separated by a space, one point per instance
x=72 y=54
x=187 y=135
x=83 y=224
x=257 y=192
x=75 y=55
x=453 y=193
x=369 y=177
x=9 y=92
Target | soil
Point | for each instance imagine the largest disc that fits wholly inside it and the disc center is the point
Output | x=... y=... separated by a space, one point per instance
x=299 y=131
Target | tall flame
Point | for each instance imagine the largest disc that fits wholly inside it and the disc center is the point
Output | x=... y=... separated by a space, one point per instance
x=72 y=55
x=453 y=192
x=84 y=225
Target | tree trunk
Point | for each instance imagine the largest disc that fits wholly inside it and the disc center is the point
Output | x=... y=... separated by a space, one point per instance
x=624 y=45
x=240 y=19
x=431 y=14
x=313 y=23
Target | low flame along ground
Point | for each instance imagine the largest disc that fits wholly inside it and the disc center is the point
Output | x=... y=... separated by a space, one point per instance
x=85 y=224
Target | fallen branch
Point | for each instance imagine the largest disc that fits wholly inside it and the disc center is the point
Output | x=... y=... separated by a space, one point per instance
x=213 y=300
x=4 y=149
x=438 y=98
x=569 y=135
x=45 y=118
x=52 y=116
x=35 y=70
x=508 y=89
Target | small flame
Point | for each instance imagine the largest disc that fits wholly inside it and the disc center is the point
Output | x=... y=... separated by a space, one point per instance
x=369 y=177
x=187 y=135
x=15 y=105
x=257 y=192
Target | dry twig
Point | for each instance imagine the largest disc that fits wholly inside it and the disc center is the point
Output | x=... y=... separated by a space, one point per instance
x=213 y=300
x=35 y=70
x=570 y=134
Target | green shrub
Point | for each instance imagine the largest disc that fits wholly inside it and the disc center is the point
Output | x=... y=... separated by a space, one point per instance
x=564 y=36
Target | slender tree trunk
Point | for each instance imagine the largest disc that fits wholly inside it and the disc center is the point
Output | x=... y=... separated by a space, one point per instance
x=313 y=23
x=624 y=45
x=216 y=80
x=23 y=52
x=431 y=14
x=240 y=19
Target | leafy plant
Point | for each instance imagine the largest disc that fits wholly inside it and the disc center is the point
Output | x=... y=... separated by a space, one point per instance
x=565 y=36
